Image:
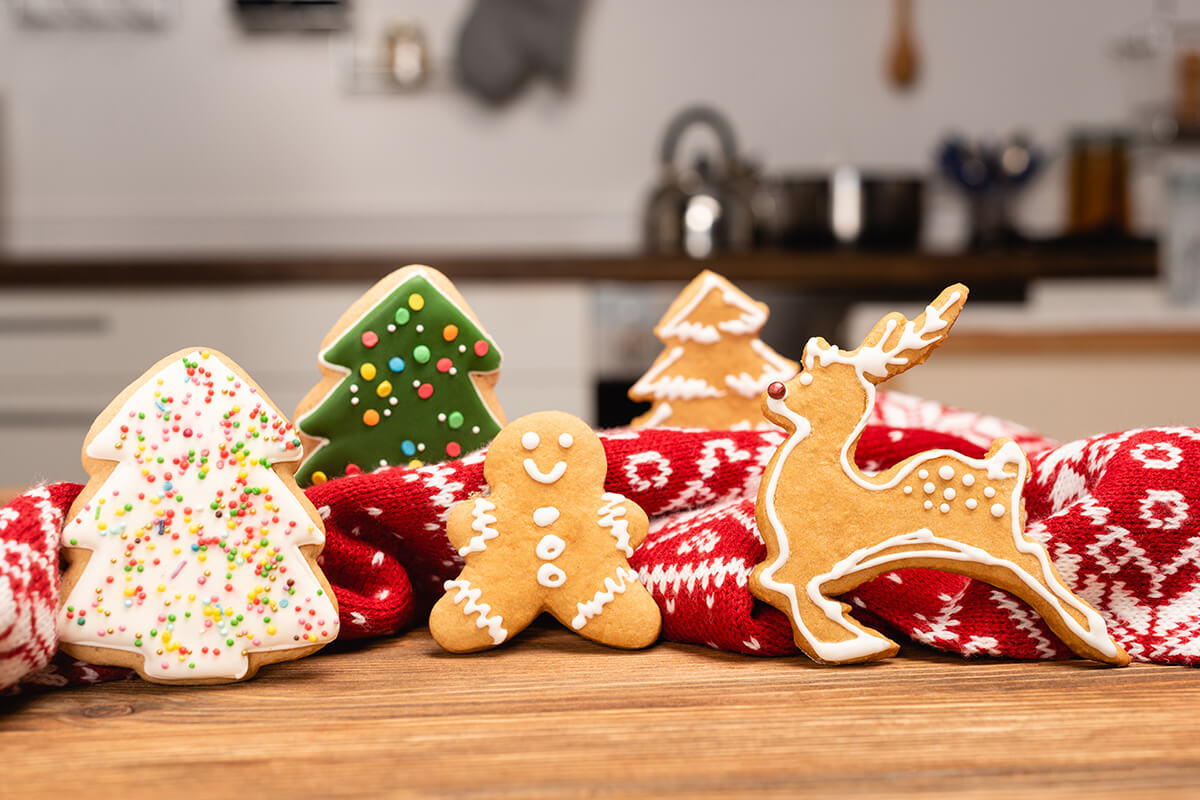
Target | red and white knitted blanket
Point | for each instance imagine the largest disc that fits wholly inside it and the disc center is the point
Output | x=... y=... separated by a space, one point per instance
x=1119 y=514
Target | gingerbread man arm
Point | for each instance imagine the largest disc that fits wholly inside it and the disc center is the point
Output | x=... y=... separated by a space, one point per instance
x=625 y=520
x=470 y=525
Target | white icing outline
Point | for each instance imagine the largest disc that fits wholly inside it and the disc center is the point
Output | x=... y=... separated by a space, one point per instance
x=603 y=597
x=482 y=525
x=610 y=514
x=674 y=387
x=776 y=368
x=551 y=576
x=550 y=547
x=753 y=317
x=556 y=472
x=494 y=623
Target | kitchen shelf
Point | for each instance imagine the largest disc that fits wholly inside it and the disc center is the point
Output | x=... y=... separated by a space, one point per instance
x=876 y=273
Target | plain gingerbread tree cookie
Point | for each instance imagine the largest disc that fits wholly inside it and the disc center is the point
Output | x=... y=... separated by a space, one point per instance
x=714 y=368
x=546 y=537
x=192 y=552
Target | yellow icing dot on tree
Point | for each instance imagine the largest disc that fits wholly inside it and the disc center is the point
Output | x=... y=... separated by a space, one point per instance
x=371 y=417
x=319 y=477
x=367 y=371
x=450 y=333
x=416 y=302
x=384 y=389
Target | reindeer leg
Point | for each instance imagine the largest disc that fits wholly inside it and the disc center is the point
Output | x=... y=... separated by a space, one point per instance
x=1033 y=579
x=822 y=627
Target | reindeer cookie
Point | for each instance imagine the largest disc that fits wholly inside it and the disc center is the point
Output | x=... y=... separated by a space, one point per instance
x=547 y=537
x=828 y=527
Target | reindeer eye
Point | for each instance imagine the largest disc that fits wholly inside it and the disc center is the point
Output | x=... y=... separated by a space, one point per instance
x=530 y=440
x=806 y=378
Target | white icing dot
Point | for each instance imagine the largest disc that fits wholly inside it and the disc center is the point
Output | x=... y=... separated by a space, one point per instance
x=944 y=507
x=998 y=510
x=387 y=412
x=391 y=328
x=393 y=400
x=908 y=490
x=949 y=494
x=462 y=348
x=551 y=576
x=416 y=384
x=421 y=447
x=929 y=487
x=420 y=329
x=928 y=504
x=972 y=503
x=383 y=462
x=989 y=491
x=550 y=547
x=565 y=440
x=968 y=479
x=806 y=378
x=946 y=472
x=530 y=440
x=353 y=401
x=923 y=474
x=353 y=388
x=546 y=515
x=441 y=417
x=474 y=429
x=454 y=370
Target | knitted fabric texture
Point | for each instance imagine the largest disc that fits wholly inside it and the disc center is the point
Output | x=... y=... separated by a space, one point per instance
x=1119 y=515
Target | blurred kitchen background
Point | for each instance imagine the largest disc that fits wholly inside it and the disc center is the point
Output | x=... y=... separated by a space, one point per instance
x=234 y=174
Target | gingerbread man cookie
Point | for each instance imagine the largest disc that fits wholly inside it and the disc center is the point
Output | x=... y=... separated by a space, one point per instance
x=546 y=537
x=829 y=527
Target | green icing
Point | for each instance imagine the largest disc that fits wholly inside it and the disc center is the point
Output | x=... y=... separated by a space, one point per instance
x=448 y=417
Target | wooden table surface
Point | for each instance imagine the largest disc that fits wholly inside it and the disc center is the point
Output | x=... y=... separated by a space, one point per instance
x=553 y=715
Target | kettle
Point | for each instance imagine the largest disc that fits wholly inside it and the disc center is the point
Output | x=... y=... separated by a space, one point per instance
x=703 y=209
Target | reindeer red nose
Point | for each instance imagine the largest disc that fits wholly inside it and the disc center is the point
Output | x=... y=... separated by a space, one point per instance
x=776 y=390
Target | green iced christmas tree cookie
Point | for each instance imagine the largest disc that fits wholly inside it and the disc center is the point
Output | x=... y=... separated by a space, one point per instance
x=409 y=377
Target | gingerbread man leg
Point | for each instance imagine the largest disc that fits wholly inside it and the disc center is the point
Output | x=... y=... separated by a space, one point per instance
x=469 y=617
x=618 y=611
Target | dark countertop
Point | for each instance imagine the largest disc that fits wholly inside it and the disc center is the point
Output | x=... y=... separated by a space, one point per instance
x=878 y=273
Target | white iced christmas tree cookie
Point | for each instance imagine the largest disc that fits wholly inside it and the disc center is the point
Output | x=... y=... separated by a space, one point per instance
x=192 y=551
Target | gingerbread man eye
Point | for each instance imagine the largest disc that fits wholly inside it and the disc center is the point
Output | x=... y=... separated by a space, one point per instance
x=565 y=440
x=530 y=441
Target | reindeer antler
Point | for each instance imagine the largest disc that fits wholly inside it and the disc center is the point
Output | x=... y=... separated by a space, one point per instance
x=895 y=343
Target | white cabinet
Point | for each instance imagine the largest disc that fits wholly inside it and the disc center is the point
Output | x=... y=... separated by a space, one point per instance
x=64 y=354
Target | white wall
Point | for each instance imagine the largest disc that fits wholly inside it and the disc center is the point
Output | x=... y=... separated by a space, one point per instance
x=201 y=138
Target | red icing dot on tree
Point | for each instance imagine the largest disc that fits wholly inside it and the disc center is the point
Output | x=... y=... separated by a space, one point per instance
x=454 y=449
x=444 y=364
x=370 y=338
x=353 y=469
x=481 y=348
x=425 y=391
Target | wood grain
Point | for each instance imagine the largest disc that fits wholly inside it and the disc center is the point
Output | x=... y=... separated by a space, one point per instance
x=551 y=715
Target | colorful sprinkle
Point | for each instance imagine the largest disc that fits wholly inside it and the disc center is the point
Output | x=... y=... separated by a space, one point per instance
x=408 y=448
x=455 y=420
x=384 y=389
x=370 y=339
x=444 y=364
x=367 y=371
x=421 y=354
x=481 y=348
x=396 y=364
x=454 y=449
x=450 y=332
x=370 y=417
x=416 y=302
x=425 y=391
x=402 y=316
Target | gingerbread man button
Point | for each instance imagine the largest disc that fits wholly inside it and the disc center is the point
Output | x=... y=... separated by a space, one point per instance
x=547 y=537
